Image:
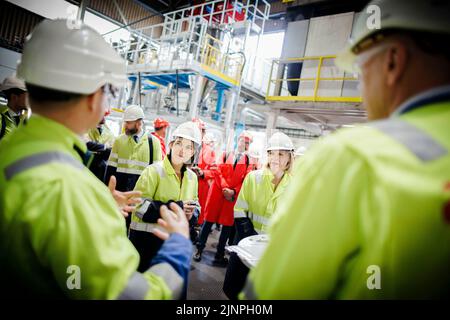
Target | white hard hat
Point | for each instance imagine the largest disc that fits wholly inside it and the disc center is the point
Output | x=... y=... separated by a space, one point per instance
x=300 y=151
x=61 y=56
x=12 y=82
x=209 y=138
x=254 y=151
x=133 y=113
x=418 y=15
x=280 y=141
x=188 y=130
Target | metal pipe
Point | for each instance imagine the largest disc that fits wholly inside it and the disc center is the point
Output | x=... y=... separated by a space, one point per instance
x=82 y=9
x=176 y=88
x=139 y=88
x=220 y=99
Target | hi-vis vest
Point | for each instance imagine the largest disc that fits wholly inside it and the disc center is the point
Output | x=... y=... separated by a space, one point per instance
x=130 y=157
x=258 y=200
x=106 y=137
x=159 y=182
x=367 y=215
x=7 y=123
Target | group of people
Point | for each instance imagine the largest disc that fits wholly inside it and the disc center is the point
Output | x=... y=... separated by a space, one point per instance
x=189 y=174
x=364 y=214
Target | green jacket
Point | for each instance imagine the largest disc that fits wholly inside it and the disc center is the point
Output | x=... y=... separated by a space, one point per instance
x=7 y=123
x=258 y=200
x=130 y=157
x=159 y=182
x=367 y=215
x=56 y=217
x=106 y=137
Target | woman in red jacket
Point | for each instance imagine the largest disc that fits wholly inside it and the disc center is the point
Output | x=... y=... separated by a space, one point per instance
x=204 y=170
x=231 y=171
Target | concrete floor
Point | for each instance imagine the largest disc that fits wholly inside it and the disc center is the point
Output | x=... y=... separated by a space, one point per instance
x=206 y=280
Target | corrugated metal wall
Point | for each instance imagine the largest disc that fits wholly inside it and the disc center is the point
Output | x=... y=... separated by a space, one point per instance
x=130 y=9
x=15 y=24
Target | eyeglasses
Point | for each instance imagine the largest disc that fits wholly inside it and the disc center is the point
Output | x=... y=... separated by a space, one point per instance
x=366 y=56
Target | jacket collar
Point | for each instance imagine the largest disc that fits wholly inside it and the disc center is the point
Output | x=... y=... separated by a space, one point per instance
x=50 y=130
x=435 y=95
x=168 y=166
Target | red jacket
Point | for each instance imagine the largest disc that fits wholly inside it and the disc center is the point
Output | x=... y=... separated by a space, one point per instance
x=206 y=162
x=163 y=145
x=217 y=208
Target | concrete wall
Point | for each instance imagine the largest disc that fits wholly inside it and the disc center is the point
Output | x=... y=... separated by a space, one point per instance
x=8 y=62
x=326 y=36
x=294 y=43
x=350 y=87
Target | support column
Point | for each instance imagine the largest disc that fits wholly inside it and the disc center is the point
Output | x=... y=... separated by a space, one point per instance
x=220 y=99
x=271 y=122
x=196 y=96
x=229 y=128
x=136 y=92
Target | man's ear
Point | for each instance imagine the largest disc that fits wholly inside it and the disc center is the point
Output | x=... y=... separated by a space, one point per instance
x=94 y=100
x=396 y=63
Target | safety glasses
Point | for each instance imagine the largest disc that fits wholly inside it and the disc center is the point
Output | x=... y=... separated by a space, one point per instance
x=364 y=57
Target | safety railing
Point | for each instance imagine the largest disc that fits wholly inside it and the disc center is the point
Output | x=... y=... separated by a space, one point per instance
x=214 y=56
x=195 y=45
x=224 y=11
x=318 y=80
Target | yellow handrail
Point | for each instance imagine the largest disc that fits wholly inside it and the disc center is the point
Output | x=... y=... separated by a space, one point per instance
x=219 y=61
x=316 y=86
x=315 y=98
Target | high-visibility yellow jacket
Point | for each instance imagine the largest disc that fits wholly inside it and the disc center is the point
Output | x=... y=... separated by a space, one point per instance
x=367 y=214
x=106 y=137
x=7 y=123
x=128 y=159
x=258 y=200
x=61 y=233
x=159 y=182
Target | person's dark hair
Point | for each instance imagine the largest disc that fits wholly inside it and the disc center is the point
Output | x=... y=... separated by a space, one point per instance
x=42 y=95
x=16 y=91
x=432 y=43
x=156 y=129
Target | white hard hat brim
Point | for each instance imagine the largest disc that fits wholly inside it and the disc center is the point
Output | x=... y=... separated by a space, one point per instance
x=423 y=16
x=345 y=61
x=132 y=118
x=279 y=148
x=185 y=137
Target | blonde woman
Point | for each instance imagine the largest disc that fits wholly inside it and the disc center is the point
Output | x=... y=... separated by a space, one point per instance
x=257 y=202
